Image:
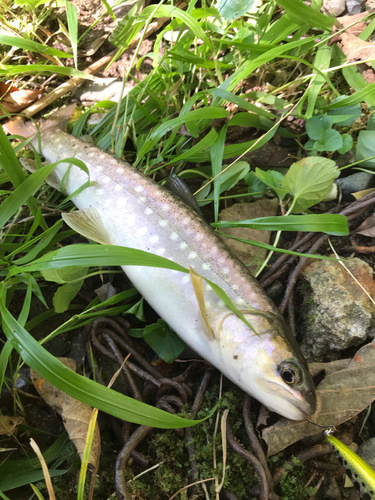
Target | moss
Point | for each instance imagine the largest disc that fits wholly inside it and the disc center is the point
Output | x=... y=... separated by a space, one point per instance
x=292 y=484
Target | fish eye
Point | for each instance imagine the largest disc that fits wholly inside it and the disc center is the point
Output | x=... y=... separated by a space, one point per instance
x=289 y=372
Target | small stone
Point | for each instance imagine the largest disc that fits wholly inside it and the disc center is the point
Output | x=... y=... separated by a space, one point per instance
x=354 y=183
x=355 y=6
x=92 y=92
x=334 y=7
x=335 y=313
x=331 y=490
x=367 y=452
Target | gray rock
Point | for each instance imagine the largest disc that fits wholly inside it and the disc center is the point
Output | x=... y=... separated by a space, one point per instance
x=335 y=313
x=92 y=92
x=367 y=452
x=335 y=7
x=331 y=490
x=355 y=182
x=355 y=6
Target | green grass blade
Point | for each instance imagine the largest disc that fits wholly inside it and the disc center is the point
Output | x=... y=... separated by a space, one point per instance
x=31 y=46
x=71 y=14
x=307 y=14
x=356 y=98
x=6 y=351
x=322 y=60
x=81 y=388
x=30 y=69
x=324 y=223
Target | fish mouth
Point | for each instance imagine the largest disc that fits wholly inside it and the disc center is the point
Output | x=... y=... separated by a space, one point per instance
x=294 y=405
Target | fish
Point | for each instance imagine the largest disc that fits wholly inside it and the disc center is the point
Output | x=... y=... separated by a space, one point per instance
x=124 y=207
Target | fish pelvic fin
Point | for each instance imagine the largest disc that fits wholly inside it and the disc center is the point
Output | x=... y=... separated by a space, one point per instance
x=88 y=223
x=198 y=286
x=29 y=128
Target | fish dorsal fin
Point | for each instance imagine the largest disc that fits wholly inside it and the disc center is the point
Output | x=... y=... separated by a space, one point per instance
x=88 y=223
x=180 y=189
x=198 y=286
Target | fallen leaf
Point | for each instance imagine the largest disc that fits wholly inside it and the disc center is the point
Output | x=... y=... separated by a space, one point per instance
x=340 y=396
x=14 y=100
x=242 y=211
x=360 y=194
x=367 y=228
x=345 y=21
x=8 y=424
x=354 y=48
x=75 y=414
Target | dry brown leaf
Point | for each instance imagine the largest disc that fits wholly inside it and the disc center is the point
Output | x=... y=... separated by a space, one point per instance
x=241 y=211
x=344 y=21
x=340 y=396
x=14 y=100
x=356 y=49
x=75 y=414
x=367 y=228
x=8 y=424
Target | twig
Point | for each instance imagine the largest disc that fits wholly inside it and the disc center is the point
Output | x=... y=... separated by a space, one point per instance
x=249 y=457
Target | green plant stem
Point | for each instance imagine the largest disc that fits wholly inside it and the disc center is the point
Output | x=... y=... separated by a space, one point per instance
x=266 y=260
x=357 y=163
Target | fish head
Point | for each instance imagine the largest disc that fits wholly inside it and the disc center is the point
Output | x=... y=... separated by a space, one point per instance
x=270 y=366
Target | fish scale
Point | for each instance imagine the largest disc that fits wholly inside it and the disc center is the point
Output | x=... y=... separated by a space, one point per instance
x=126 y=208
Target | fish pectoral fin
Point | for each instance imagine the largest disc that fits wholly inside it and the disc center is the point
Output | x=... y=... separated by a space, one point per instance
x=198 y=286
x=88 y=223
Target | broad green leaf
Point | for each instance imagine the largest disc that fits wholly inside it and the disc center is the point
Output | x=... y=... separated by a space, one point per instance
x=330 y=140
x=64 y=275
x=366 y=147
x=324 y=223
x=273 y=179
x=353 y=111
x=164 y=341
x=307 y=14
x=81 y=388
x=137 y=310
x=255 y=185
x=356 y=98
x=316 y=125
x=347 y=145
x=31 y=46
x=232 y=9
x=65 y=294
x=309 y=180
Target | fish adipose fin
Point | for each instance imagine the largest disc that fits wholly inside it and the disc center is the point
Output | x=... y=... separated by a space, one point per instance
x=198 y=286
x=28 y=129
x=88 y=223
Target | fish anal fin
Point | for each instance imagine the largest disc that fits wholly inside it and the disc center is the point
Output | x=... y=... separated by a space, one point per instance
x=198 y=286
x=88 y=223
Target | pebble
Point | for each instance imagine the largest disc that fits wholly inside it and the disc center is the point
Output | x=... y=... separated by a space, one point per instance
x=354 y=183
x=335 y=313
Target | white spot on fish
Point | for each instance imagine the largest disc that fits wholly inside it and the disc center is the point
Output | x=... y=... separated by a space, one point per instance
x=192 y=255
x=154 y=239
x=174 y=236
x=106 y=180
x=102 y=156
x=185 y=279
x=213 y=250
x=234 y=287
x=59 y=147
x=142 y=198
x=148 y=211
x=163 y=223
x=160 y=251
x=130 y=220
x=240 y=301
x=118 y=188
x=183 y=246
x=226 y=271
x=142 y=230
x=91 y=155
x=138 y=189
x=186 y=220
x=121 y=202
x=208 y=288
x=205 y=267
x=165 y=207
x=199 y=236
x=99 y=191
x=120 y=170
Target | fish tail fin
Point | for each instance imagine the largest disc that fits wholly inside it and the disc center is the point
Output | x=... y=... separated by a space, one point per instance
x=28 y=129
